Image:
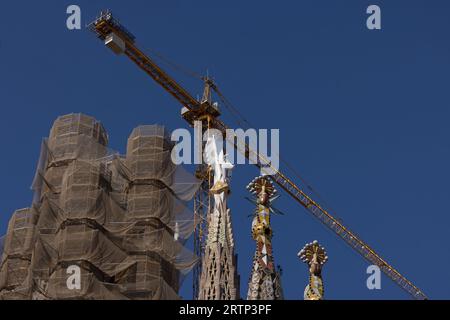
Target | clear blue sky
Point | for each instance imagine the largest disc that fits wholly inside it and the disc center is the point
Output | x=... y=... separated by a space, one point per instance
x=363 y=115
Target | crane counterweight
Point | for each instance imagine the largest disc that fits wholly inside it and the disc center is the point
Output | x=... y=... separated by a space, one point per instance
x=115 y=43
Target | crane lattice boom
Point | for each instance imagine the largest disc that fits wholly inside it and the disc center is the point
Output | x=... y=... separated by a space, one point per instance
x=120 y=40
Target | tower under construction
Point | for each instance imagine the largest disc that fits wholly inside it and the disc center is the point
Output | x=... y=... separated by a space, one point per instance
x=117 y=222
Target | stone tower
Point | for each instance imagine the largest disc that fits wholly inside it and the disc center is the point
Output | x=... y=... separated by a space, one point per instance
x=102 y=225
x=219 y=278
x=265 y=281
x=149 y=203
x=315 y=257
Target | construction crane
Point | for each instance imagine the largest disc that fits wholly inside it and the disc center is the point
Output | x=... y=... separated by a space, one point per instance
x=121 y=41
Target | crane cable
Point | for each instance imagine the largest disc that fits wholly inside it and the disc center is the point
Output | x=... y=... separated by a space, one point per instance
x=176 y=67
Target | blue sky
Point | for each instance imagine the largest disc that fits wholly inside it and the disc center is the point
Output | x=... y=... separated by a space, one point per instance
x=363 y=115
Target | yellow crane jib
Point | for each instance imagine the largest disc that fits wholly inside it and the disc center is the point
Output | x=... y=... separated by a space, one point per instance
x=122 y=41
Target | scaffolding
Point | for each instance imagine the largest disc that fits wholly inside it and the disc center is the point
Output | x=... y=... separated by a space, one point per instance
x=202 y=210
x=122 y=220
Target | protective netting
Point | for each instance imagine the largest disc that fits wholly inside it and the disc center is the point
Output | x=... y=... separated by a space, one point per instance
x=2 y=241
x=121 y=220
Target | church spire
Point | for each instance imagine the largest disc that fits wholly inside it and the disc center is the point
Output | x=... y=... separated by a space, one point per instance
x=219 y=279
x=315 y=257
x=265 y=281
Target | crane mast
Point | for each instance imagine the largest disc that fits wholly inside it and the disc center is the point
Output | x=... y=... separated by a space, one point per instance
x=121 y=41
